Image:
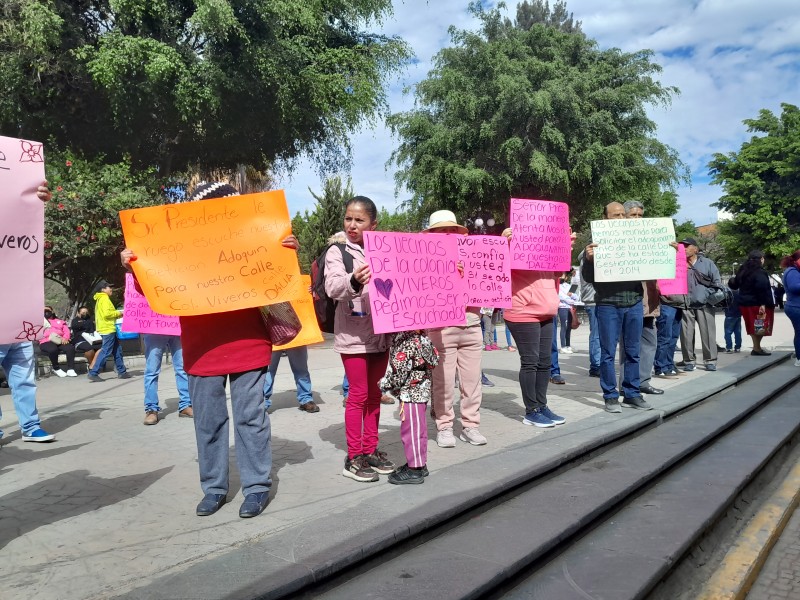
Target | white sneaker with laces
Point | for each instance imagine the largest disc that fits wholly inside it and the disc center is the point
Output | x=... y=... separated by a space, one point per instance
x=471 y=435
x=72 y=373
x=60 y=373
x=446 y=439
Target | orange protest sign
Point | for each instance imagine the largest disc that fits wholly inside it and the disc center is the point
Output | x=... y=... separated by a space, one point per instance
x=304 y=307
x=215 y=255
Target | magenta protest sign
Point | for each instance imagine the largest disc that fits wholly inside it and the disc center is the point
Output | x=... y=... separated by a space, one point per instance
x=679 y=285
x=487 y=269
x=21 y=240
x=138 y=317
x=541 y=235
x=415 y=281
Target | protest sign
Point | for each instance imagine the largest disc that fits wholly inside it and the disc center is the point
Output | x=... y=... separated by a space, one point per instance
x=21 y=240
x=215 y=255
x=633 y=249
x=415 y=282
x=541 y=235
x=138 y=317
x=304 y=307
x=487 y=269
x=678 y=285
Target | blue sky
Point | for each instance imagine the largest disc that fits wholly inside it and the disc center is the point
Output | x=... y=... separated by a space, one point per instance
x=729 y=58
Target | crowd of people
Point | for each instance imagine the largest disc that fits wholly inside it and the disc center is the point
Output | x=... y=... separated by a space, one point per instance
x=419 y=367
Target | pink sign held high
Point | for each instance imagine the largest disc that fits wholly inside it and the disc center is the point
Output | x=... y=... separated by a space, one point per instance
x=138 y=317
x=679 y=285
x=541 y=235
x=21 y=240
x=487 y=269
x=415 y=281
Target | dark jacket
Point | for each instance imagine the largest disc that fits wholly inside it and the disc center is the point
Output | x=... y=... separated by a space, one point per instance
x=755 y=289
x=699 y=293
x=622 y=294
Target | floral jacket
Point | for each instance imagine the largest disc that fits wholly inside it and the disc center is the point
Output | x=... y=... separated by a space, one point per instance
x=412 y=358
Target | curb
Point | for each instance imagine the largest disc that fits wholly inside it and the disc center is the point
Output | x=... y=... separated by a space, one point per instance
x=743 y=563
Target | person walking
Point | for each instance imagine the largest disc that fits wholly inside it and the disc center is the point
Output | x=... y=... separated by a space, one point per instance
x=364 y=353
x=702 y=277
x=791 y=281
x=756 y=301
x=105 y=317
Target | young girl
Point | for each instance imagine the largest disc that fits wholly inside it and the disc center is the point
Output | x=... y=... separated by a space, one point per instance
x=412 y=359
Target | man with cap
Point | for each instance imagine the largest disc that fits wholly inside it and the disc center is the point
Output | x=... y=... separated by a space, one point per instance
x=460 y=350
x=105 y=318
x=702 y=275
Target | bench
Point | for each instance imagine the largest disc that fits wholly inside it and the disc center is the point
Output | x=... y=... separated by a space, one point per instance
x=131 y=347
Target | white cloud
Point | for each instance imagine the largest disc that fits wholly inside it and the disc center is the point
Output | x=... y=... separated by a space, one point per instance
x=730 y=59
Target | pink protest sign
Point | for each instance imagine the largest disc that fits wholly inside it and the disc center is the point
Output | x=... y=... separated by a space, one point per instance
x=138 y=317
x=679 y=285
x=415 y=281
x=487 y=269
x=541 y=235
x=21 y=240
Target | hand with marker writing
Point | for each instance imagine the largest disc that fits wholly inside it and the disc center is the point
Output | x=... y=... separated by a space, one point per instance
x=590 y=252
x=290 y=242
x=43 y=192
x=127 y=257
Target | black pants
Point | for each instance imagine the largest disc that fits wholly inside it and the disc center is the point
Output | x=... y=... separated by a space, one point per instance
x=52 y=351
x=533 y=343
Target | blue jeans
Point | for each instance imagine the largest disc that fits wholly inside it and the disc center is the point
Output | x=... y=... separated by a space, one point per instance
x=555 y=368
x=793 y=312
x=19 y=365
x=733 y=332
x=564 y=319
x=612 y=322
x=298 y=361
x=668 y=325
x=594 y=339
x=154 y=346
x=110 y=347
x=509 y=340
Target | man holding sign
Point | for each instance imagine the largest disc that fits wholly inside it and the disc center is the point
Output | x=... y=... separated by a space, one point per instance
x=619 y=313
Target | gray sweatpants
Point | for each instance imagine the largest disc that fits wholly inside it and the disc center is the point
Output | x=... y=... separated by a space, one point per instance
x=251 y=431
x=704 y=317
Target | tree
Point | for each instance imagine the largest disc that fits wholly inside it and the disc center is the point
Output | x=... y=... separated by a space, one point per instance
x=313 y=230
x=83 y=237
x=761 y=185
x=528 y=110
x=539 y=12
x=202 y=83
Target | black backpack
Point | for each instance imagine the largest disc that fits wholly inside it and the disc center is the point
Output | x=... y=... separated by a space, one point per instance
x=325 y=307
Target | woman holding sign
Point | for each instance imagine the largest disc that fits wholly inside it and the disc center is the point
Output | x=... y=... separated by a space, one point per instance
x=530 y=319
x=364 y=353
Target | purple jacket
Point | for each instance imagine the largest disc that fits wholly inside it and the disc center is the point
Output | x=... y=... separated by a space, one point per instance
x=352 y=326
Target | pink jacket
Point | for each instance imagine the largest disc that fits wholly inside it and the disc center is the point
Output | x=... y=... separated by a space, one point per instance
x=353 y=333
x=56 y=326
x=534 y=296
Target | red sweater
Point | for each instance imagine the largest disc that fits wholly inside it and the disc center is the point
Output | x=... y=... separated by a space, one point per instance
x=225 y=343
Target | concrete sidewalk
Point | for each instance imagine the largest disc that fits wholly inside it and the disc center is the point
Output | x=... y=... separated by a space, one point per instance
x=110 y=505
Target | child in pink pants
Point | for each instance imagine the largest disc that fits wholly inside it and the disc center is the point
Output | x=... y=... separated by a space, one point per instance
x=412 y=359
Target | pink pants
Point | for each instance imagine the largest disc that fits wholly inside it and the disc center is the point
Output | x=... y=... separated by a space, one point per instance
x=363 y=408
x=414 y=433
x=460 y=348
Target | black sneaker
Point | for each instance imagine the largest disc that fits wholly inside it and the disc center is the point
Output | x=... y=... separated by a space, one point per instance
x=406 y=474
x=380 y=463
x=359 y=469
x=124 y=375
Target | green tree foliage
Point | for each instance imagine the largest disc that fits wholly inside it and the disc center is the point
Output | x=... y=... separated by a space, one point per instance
x=206 y=83
x=314 y=229
x=539 y=12
x=762 y=186
x=529 y=110
x=83 y=237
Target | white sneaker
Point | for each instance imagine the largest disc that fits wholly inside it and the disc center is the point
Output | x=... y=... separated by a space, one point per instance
x=446 y=439
x=60 y=373
x=569 y=350
x=471 y=435
x=72 y=373
x=797 y=363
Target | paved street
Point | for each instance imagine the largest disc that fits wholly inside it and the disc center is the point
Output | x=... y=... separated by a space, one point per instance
x=110 y=505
